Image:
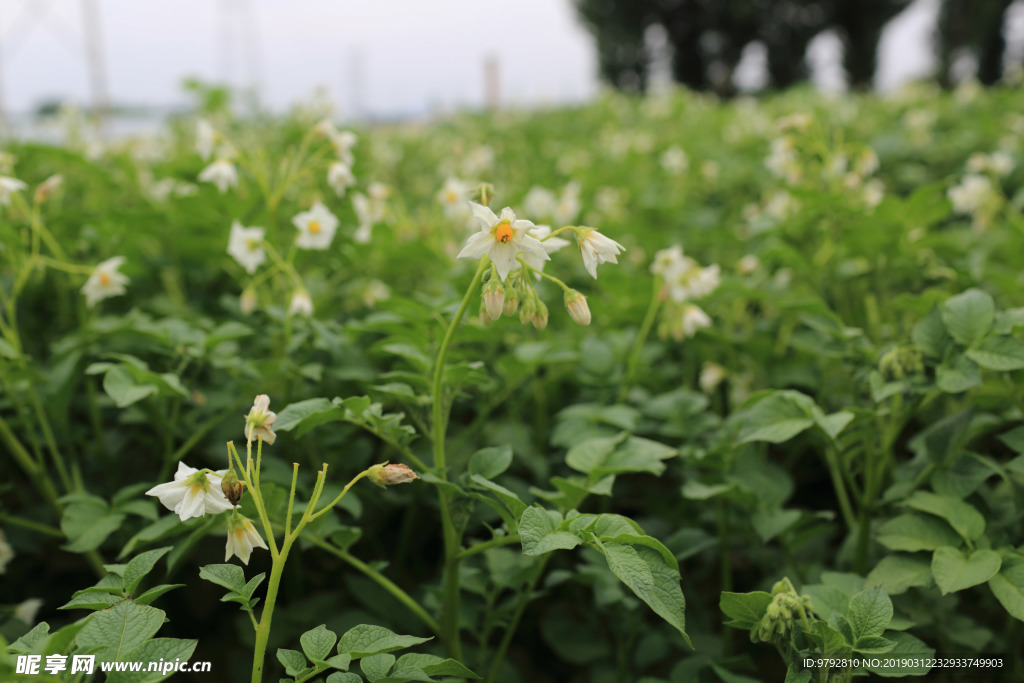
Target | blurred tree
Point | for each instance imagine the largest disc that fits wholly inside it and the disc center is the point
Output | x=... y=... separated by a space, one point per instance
x=709 y=36
x=975 y=26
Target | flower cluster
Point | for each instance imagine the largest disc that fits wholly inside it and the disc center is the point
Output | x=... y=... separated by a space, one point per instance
x=682 y=281
x=517 y=248
x=976 y=196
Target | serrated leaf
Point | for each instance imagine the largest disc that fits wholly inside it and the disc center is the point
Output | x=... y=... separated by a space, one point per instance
x=999 y=353
x=166 y=649
x=775 y=419
x=88 y=523
x=229 y=576
x=293 y=661
x=1008 y=587
x=91 y=599
x=538 y=529
x=898 y=573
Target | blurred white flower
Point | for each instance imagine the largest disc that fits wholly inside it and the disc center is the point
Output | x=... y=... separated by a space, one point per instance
x=502 y=239
x=540 y=202
x=454 y=198
x=9 y=186
x=693 y=318
x=684 y=278
x=339 y=177
x=247 y=302
x=105 y=282
x=242 y=538
x=343 y=143
x=206 y=138
x=28 y=609
x=478 y=162
x=300 y=304
x=46 y=188
x=596 y=249
x=747 y=265
x=221 y=173
x=711 y=375
x=568 y=205
x=193 y=493
x=246 y=246
x=973 y=192
x=874 y=192
x=369 y=211
x=674 y=160
x=316 y=227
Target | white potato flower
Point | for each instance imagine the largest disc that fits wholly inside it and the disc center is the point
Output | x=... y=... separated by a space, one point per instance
x=206 y=138
x=9 y=186
x=339 y=177
x=260 y=420
x=674 y=160
x=105 y=282
x=550 y=244
x=221 y=173
x=597 y=249
x=246 y=246
x=316 y=227
x=693 y=318
x=242 y=538
x=300 y=304
x=540 y=201
x=454 y=198
x=193 y=493
x=502 y=239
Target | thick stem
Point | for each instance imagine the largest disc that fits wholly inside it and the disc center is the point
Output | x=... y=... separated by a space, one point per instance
x=263 y=630
x=450 y=614
x=641 y=337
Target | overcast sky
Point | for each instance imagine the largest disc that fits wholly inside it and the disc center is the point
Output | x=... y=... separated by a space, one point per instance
x=384 y=57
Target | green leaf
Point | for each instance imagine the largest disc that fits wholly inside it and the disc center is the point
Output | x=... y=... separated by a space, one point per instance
x=644 y=540
x=366 y=640
x=139 y=566
x=539 y=531
x=776 y=418
x=964 y=518
x=586 y=455
x=318 y=643
x=835 y=423
x=870 y=611
x=930 y=335
x=959 y=376
x=490 y=462
x=509 y=498
x=1008 y=587
x=873 y=645
x=120 y=628
x=898 y=573
x=953 y=572
x=376 y=667
x=88 y=523
x=339 y=677
x=999 y=353
x=120 y=385
x=33 y=641
x=292 y=661
x=912 y=532
x=229 y=576
x=969 y=316
x=432 y=665
x=91 y=599
x=169 y=650
x=645 y=572
x=155 y=592
x=316 y=410
x=908 y=655
x=833 y=643
x=745 y=610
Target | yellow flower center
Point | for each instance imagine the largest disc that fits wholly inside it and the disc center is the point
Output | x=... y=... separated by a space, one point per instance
x=451 y=196
x=504 y=232
x=314 y=227
x=104 y=279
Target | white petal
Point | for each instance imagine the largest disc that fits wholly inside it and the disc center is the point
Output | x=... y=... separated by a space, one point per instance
x=477 y=245
x=484 y=215
x=504 y=258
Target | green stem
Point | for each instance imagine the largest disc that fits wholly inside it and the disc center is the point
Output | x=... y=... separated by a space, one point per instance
x=34 y=526
x=840 y=488
x=641 y=337
x=524 y=600
x=263 y=629
x=450 y=615
x=380 y=579
x=487 y=545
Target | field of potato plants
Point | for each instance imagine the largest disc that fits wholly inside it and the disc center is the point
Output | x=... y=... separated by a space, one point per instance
x=650 y=390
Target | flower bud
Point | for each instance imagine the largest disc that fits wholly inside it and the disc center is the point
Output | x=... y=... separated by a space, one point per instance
x=231 y=487
x=247 y=302
x=260 y=421
x=485 y=317
x=511 y=301
x=540 y=318
x=528 y=310
x=577 y=306
x=494 y=298
x=388 y=475
x=48 y=187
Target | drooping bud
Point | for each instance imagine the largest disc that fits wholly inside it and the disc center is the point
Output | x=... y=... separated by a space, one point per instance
x=577 y=306
x=485 y=317
x=511 y=301
x=494 y=297
x=48 y=187
x=528 y=309
x=540 y=318
x=231 y=487
x=248 y=301
x=385 y=475
x=260 y=421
